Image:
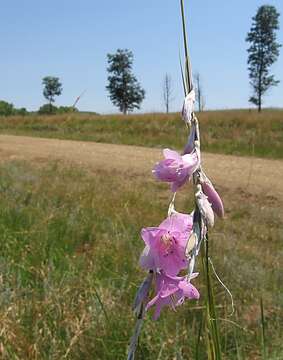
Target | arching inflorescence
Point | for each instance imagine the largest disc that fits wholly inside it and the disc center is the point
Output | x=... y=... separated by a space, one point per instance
x=172 y=247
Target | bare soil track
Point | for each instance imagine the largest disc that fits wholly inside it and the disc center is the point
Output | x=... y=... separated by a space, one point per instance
x=259 y=176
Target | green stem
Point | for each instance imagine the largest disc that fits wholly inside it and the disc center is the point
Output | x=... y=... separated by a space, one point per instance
x=188 y=70
x=214 y=345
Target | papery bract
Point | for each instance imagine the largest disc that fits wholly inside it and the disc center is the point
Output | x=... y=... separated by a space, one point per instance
x=176 y=169
x=171 y=291
x=205 y=207
x=190 y=146
x=165 y=245
x=143 y=291
x=188 y=107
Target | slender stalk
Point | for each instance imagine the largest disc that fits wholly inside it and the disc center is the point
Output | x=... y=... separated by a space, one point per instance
x=183 y=78
x=213 y=337
x=188 y=69
x=211 y=323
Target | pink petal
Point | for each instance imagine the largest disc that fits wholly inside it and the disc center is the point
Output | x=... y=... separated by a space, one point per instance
x=191 y=160
x=180 y=182
x=146 y=259
x=171 y=264
x=178 y=222
x=169 y=290
x=189 y=290
x=157 y=312
x=149 y=234
x=171 y=154
x=152 y=302
x=165 y=170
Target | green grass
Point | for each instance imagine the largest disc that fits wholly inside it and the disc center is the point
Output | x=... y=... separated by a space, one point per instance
x=69 y=268
x=237 y=132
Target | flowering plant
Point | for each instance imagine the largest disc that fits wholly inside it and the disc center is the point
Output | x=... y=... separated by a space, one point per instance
x=171 y=249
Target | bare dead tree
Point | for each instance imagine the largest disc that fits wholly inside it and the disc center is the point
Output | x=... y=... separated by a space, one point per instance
x=199 y=92
x=167 y=92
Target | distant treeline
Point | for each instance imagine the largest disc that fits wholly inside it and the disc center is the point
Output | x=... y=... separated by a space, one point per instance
x=8 y=109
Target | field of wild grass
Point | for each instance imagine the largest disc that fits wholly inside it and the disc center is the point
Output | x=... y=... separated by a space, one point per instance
x=68 y=262
x=238 y=132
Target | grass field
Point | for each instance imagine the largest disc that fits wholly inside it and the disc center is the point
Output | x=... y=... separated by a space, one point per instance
x=228 y=132
x=68 y=257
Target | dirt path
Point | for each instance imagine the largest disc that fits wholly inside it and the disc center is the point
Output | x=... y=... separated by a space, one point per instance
x=255 y=175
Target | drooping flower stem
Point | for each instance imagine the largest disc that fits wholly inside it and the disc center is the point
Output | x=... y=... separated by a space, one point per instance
x=211 y=326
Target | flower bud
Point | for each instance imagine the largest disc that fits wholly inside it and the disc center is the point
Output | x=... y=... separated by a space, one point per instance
x=212 y=195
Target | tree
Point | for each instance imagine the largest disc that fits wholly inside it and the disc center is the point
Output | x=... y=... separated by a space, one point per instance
x=52 y=88
x=167 y=92
x=124 y=89
x=199 y=92
x=6 y=109
x=263 y=52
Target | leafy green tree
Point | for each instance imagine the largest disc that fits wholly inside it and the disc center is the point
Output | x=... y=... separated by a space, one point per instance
x=52 y=88
x=124 y=89
x=263 y=52
x=6 y=109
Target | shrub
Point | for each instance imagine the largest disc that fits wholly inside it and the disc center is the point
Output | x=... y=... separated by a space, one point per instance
x=66 y=109
x=48 y=109
x=6 y=109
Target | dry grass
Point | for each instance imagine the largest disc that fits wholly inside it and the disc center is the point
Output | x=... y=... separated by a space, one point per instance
x=69 y=249
x=237 y=132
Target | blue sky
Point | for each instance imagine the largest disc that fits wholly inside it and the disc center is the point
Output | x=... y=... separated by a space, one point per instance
x=70 y=39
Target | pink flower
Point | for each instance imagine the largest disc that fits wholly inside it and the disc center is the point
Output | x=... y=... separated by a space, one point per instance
x=165 y=245
x=176 y=169
x=171 y=291
x=212 y=196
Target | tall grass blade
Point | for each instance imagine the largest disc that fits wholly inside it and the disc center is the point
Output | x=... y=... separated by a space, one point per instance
x=197 y=356
x=101 y=304
x=238 y=348
x=263 y=337
x=213 y=336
